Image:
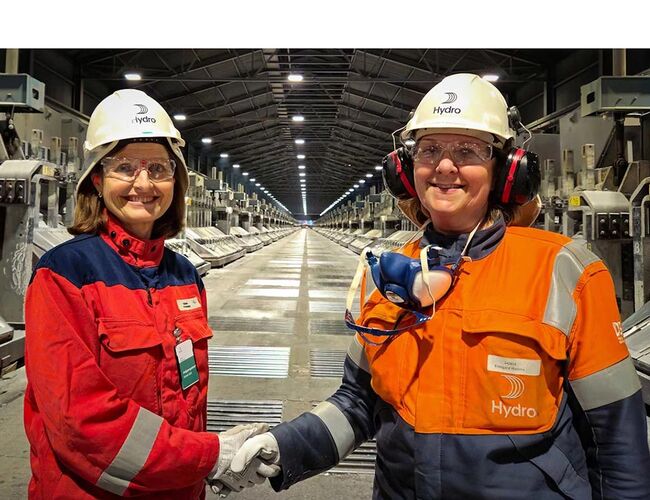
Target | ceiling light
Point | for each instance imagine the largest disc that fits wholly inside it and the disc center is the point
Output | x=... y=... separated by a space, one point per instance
x=223 y=155
x=361 y=181
x=206 y=140
x=378 y=167
x=303 y=180
x=180 y=118
x=301 y=167
x=490 y=77
x=302 y=174
x=368 y=176
x=294 y=78
x=298 y=118
x=245 y=174
x=253 y=179
x=299 y=141
x=258 y=184
x=236 y=165
x=300 y=157
x=132 y=76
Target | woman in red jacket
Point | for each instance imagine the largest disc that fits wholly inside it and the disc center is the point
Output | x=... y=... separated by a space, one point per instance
x=116 y=327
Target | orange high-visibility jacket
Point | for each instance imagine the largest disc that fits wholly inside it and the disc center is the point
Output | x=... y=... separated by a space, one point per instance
x=520 y=386
x=105 y=413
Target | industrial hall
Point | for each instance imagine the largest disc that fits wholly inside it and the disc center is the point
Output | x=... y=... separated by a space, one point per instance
x=316 y=273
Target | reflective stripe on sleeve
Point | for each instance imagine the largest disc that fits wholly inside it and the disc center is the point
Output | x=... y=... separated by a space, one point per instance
x=570 y=263
x=338 y=426
x=357 y=354
x=133 y=454
x=606 y=386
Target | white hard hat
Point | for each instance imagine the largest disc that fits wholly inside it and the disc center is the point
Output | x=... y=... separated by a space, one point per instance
x=462 y=104
x=128 y=114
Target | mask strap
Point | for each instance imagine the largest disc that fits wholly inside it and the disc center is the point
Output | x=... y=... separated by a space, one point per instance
x=426 y=274
x=358 y=275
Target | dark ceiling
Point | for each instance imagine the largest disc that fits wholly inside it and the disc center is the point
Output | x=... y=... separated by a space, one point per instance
x=351 y=101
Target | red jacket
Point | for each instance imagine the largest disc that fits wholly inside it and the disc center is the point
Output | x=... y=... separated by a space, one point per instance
x=105 y=414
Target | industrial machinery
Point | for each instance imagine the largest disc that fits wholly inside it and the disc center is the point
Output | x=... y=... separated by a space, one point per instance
x=368 y=221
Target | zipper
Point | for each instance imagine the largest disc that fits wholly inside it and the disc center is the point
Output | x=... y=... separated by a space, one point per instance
x=149 y=299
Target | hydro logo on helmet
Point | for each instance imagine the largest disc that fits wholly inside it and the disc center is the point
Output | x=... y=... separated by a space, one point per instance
x=120 y=117
x=463 y=103
x=143 y=110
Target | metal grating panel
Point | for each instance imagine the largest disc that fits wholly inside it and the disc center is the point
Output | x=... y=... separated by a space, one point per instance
x=328 y=294
x=329 y=327
x=327 y=307
x=246 y=361
x=223 y=414
x=251 y=325
x=260 y=304
x=327 y=363
x=273 y=282
x=321 y=275
x=270 y=292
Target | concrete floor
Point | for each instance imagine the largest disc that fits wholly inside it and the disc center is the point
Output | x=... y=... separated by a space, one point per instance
x=273 y=283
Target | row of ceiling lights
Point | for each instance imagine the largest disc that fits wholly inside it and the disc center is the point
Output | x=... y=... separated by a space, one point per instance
x=296 y=118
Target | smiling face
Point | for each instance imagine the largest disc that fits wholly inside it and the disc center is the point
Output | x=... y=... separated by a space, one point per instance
x=455 y=196
x=138 y=204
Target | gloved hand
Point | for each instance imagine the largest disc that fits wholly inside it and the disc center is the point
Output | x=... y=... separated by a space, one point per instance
x=264 y=446
x=230 y=441
x=256 y=460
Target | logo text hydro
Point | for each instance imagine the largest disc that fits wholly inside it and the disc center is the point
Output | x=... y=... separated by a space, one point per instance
x=446 y=110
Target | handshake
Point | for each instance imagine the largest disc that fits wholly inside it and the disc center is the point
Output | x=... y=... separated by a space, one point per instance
x=248 y=455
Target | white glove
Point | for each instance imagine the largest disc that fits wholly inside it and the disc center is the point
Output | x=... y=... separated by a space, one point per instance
x=230 y=441
x=232 y=481
x=256 y=460
x=264 y=446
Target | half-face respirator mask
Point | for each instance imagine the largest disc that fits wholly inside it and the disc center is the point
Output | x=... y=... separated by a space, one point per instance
x=413 y=284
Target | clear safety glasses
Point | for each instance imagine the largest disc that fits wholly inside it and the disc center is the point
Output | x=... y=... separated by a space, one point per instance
x=461 y=152
x=128 y=169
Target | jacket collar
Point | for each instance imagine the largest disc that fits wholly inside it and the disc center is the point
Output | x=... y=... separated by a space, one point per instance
x=483 y=243
x=134 y=251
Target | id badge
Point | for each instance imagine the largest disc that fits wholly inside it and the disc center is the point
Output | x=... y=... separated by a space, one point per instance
x=189 y=375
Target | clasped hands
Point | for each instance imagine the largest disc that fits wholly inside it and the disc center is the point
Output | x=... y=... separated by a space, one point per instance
x=248 y=455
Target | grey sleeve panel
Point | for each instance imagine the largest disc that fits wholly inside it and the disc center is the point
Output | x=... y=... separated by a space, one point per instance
x=338 y=426
x=133 y=454
x=606 y=386
x=357 y=355
x=570 y=263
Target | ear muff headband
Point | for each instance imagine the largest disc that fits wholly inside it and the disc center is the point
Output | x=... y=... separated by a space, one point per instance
x=402 y=175
x=512 y=172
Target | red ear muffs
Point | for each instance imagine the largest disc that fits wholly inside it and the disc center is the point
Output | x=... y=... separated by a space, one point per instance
x=397 y=173
x=517 y=178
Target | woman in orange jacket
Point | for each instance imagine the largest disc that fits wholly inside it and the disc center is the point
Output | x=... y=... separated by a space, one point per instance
x=489 y=361
x=116 y=328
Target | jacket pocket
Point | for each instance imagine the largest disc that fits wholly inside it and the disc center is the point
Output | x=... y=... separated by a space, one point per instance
x=556 y=466
x=129 y=356
x=512 y=373
x=193 y=326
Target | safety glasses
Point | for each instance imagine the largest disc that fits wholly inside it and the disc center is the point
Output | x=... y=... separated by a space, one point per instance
x=128 y=169
x=466 y=152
